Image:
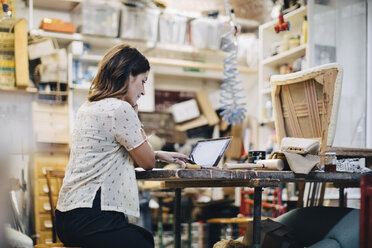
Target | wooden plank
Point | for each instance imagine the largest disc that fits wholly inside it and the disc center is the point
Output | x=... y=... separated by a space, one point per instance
x=234 y=150
x=328 y=95
x=20 y=53
x=278 y=115
x=351 y=152
x=299 y=79
x=219 y=183
x=206 y=107
x=300 y=199
x=293 y=122
x=241 y=176
x=321 y=196
x=198 y=122
x=302 y=109
x=312 y=106
x=195 y=64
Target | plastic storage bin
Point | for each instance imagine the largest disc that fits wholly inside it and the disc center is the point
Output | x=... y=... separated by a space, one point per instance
x=97 y=18
x=139 y=23
x=172 y=29
x=206 y=33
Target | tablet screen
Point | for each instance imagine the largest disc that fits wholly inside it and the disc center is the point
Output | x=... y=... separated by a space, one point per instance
x=208 y=153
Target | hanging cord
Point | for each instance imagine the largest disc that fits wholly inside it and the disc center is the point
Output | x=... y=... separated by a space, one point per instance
x=234 y=111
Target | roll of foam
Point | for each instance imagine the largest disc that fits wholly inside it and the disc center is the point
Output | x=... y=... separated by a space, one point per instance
x=271 y=164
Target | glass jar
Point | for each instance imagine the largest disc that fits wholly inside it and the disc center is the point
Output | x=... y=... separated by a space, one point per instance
x=330 y=161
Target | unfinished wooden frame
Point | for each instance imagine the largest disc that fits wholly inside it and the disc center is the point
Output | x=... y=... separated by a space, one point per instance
x=306 y=103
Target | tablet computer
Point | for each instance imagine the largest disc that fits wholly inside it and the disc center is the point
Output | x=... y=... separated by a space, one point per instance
x=208 y=152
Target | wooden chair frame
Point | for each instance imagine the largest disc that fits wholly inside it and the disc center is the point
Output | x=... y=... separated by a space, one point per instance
x=306 y=106
x=306 y=103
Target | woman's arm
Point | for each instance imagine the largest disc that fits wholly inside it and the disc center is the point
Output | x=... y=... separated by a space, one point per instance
x=144 y=156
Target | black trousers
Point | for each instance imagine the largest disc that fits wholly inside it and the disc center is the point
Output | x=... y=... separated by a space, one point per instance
x=93 y=228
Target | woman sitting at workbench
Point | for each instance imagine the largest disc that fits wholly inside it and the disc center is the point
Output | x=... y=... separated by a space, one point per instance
x=99 y=195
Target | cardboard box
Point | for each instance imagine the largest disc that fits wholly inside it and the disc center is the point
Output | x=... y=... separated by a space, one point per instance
x=185 y=111
x=41 y=49
x=57 y=25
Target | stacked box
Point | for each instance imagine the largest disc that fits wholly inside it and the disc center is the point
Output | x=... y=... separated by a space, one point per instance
x=139 y=23
x=7 y=65
x=97 y=18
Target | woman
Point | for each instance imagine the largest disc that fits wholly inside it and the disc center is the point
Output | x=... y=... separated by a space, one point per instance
x=99 y=195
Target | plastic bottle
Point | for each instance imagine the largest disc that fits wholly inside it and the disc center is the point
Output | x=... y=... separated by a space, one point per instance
x=304 y=31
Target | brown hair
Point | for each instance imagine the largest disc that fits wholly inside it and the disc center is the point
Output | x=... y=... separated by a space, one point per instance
x=114 y=70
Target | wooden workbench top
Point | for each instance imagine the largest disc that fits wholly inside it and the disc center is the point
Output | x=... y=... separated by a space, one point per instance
x=249 y=178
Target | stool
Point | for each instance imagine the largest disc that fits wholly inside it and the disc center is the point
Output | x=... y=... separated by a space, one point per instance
x=242 y=222
x=52 y=245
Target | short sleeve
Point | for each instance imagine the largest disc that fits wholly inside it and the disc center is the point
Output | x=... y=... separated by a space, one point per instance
x=127 y=127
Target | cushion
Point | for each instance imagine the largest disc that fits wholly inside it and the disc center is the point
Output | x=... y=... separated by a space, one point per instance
x=311 y=224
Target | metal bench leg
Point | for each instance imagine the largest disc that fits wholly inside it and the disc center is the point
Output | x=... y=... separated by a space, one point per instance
x=342 y=197
x=257 y=217
x=177 y=218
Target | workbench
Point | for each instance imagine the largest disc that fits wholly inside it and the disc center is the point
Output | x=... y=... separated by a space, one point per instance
x=193 y=178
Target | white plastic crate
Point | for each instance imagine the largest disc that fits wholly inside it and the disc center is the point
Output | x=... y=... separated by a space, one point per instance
x=139 y=23
x=172 y=29
x=97 y=18
x=206 y=33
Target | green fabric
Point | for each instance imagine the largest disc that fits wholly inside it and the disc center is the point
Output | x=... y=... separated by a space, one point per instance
x=346 y=231
x=326 y=243
x=311 y=224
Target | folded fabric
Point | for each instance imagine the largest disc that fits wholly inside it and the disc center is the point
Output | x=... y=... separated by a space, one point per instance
x=301 y=163
x=300 y=145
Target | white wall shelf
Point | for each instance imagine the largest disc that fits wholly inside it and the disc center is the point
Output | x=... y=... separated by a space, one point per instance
x=27 y=90
x=66 y=5
x=88 y=57
x=99 y=41
x=292 y=16
x=286 y=56
x=269 y=65
x=80 y=86
x=195 y=64
x=143 y=46
x=163 y=65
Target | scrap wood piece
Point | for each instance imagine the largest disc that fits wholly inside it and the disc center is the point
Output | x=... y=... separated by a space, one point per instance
x=293 y=122
x=206 y=107
x=302 y=110
x=312 y=105
x=279 y=117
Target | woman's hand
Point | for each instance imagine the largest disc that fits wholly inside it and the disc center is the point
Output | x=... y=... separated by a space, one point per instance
x=171 y=157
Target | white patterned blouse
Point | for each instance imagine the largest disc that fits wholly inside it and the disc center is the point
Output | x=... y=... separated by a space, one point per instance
x=104 y=133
